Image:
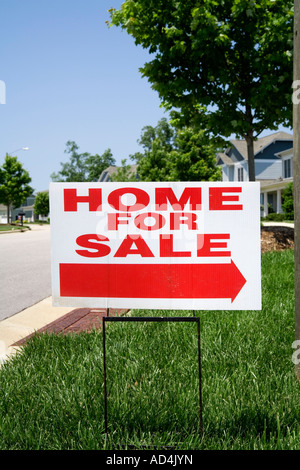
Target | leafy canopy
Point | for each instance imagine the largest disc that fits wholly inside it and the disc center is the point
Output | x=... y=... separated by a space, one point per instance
x=224 y=64
x=82 y=167
x=176 y=155
x=125 y=172
x=14 y=182
x=41 y=203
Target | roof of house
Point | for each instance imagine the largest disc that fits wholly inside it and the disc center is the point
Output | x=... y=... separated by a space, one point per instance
x=225 y=159
x=105 y=175
x=284 y=153
x=260 y=143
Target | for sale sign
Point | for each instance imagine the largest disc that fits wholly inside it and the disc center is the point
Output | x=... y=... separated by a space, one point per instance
x=156 y=245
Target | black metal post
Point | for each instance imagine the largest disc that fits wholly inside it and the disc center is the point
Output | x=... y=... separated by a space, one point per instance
x=154 y=319
x=200 y=379
x=104 y=376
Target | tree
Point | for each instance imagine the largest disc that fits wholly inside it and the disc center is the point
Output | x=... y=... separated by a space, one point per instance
x=176 y=155
x=97 y=163
x=157 y=143
x=194 y=158
x=82 y=166
x=226 y=65
x=163 y=133
x=41 y=203
x=14 y=184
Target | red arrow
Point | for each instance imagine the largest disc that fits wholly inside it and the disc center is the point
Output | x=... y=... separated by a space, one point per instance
x=157 y=281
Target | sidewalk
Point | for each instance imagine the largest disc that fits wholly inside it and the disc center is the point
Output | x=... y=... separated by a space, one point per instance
x=43 y=317
x=26 y=322
x=277 y=224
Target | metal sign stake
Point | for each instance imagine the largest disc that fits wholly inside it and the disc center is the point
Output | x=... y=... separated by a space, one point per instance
x=153 y=319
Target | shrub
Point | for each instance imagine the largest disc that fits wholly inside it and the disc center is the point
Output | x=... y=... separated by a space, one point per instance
x=288 y=202
x=275 y=217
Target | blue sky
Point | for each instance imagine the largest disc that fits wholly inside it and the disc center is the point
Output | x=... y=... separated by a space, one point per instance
x=69 y=77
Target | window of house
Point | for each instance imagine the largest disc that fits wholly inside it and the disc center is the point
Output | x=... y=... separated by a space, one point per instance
x=287 y=168
x=240 y=174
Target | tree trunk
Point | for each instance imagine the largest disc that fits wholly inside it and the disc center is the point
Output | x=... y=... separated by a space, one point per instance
x=250 y=142
x=296 y=184
x=250 y=152
x=7 y=212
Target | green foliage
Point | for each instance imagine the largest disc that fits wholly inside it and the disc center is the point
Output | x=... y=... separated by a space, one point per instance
x=14 y=183
x=41 y=203
x=194 y=158
x=124 y=173
x=275 y=217
x=163 y=133
x=82 y=166
x=176 y=155
x=97 y=163
x=288 y=202
x=169 y=154
x=224 y=65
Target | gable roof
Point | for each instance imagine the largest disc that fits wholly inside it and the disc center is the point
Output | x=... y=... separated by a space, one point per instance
x=261 y=143
x=224 y=158
x=106 y=174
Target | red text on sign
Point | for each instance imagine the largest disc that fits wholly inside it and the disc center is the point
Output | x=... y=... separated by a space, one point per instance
x=218 y=199
x=96 y=246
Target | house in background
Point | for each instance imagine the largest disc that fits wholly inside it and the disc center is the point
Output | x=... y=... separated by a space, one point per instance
x=273 y=157
x=106 y=174
x=27 y=208
x=3 y=214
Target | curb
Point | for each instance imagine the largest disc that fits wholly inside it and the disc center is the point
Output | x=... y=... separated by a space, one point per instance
x=26 y=322
x=44 y=318
x=79 y=319
x=15 y=231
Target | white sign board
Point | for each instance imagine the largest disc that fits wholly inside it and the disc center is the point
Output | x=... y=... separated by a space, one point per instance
x=176 y=246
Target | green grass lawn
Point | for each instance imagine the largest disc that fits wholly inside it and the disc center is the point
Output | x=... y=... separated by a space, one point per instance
x=51 y=394
x=9 y=228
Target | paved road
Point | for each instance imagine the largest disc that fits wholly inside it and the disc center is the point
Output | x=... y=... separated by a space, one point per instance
x=25 y=269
